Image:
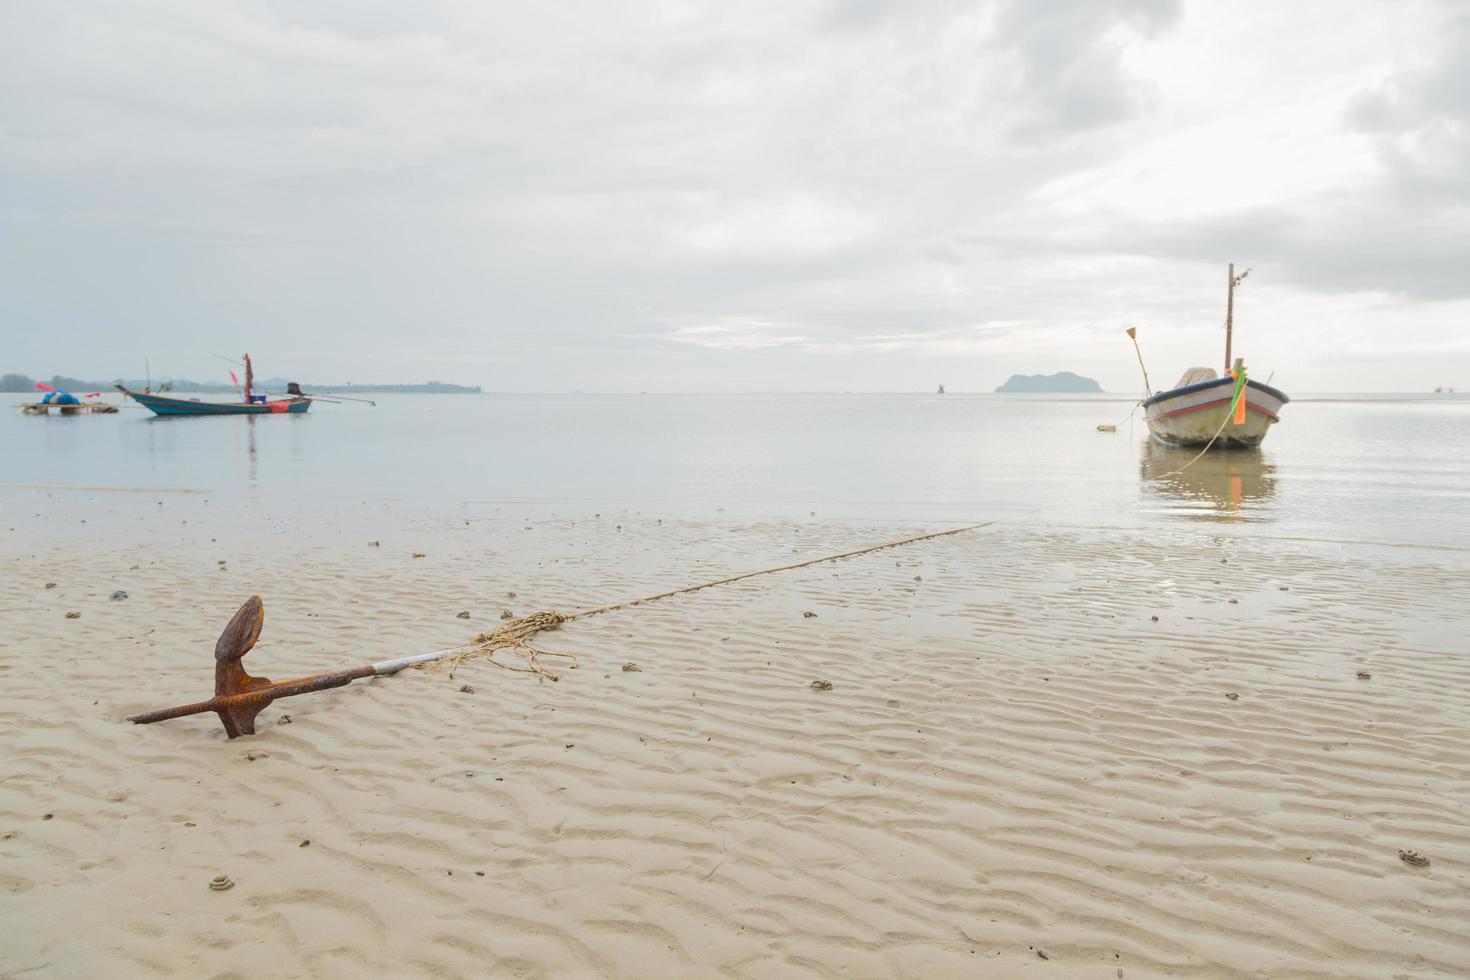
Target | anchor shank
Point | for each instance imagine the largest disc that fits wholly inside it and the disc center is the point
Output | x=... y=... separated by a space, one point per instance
x=259 y=697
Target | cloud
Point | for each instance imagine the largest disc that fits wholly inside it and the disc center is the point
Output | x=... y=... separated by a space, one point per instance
x=824 y=194
x=737 y=334
x=1070 y=72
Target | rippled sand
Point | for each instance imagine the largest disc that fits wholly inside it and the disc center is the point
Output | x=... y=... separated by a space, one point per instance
x=1017 y=768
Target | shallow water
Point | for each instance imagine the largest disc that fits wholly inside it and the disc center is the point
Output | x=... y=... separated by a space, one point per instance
x=1349 y=469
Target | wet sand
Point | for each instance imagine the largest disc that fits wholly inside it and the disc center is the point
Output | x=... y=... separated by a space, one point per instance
x=1018 y=769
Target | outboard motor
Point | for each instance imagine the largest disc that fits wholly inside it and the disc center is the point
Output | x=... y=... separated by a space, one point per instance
x=292 y=388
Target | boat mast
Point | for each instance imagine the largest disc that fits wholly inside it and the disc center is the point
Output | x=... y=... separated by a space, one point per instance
x=250 y=374
x=1229 y=318
x=1232 y=281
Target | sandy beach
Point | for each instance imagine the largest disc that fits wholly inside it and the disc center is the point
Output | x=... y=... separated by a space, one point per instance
x=1047 y=750
x=892 y=491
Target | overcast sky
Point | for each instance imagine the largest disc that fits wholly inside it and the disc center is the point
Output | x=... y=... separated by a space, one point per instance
x=859 y=195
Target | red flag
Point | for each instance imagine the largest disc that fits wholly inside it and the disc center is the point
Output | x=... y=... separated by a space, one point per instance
x=93 y=394
x=41 y=387
x=234 y=379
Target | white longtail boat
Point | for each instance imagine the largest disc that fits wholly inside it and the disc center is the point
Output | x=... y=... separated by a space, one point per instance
x=1203 y=409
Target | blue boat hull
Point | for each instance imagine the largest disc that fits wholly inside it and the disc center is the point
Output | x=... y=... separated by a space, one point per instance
x=161 y=405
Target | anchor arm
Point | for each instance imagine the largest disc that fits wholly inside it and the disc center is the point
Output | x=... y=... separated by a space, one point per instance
x=239 y=697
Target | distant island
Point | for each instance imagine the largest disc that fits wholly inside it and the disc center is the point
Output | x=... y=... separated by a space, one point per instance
x=20 y=382
x=1064 y=382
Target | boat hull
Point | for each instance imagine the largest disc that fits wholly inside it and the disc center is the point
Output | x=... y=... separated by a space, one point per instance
x=161 y=405
x=1192 y=415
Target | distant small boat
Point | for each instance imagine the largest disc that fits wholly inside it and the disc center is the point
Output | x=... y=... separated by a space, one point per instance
x=192 y=406
x=80 y=408
x=294 y=403
x=65 y=403
x=1202 y=409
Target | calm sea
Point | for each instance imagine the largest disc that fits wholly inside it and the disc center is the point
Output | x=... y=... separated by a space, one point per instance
x=1369 y=468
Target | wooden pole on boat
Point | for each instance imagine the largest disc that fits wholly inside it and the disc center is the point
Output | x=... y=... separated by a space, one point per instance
x=1232 y=281
x=1229 y=312
x=238 y=697
x=365 y=401
x=1133 y=336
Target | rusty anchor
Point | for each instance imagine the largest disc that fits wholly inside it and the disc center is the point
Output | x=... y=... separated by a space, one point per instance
x=238 y=697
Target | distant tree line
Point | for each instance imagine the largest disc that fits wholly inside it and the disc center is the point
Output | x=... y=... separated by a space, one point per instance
x=21 y=382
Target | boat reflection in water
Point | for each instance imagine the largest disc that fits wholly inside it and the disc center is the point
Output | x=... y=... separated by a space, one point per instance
x=1228 y=486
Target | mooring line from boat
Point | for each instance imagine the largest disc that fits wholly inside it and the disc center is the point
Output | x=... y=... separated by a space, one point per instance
x=1240 y=385
x=1127 y=418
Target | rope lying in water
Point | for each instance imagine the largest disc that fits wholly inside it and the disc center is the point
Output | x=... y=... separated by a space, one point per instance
x=1229 y=414
x=515 y=634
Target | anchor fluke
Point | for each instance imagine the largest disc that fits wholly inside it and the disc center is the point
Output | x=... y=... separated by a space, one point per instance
x=230 y=677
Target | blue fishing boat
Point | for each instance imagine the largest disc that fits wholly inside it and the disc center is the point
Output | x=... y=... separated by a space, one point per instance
x=294 y=403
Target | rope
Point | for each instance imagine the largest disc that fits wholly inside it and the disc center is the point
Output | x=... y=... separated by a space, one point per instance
x=1229 y=414
x=533 y=661
x=1126 y=418
x=514 y=634
x=782 y=568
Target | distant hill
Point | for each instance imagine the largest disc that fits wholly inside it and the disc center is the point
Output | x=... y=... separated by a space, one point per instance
x=1064 y=382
